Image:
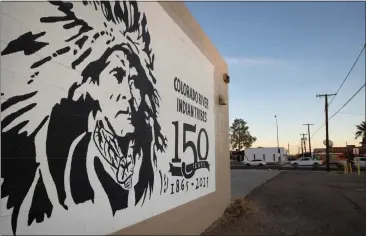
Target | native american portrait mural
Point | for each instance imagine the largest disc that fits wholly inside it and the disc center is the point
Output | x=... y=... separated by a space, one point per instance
x=92 y=132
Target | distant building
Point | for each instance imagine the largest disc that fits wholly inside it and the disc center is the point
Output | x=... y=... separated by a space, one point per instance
x=267 y=154
x=237 y=155
x=343 y=152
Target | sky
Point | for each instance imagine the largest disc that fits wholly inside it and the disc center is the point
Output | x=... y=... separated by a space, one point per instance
x=280 y=55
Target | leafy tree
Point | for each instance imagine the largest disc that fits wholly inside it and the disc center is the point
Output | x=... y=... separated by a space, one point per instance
x=361 y=131
x=240 y=136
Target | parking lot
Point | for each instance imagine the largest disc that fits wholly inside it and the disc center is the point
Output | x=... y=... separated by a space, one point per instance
x=285 y=166
x=245 y=181
x=299 y=203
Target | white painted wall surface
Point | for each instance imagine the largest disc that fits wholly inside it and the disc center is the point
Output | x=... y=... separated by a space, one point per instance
x=268 y=154
x=175 y=56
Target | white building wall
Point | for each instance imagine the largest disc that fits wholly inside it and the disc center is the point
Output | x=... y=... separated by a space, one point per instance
x=77 y=81
x=268 y=154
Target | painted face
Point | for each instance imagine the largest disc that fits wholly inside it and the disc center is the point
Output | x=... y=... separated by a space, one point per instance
x=116 y=84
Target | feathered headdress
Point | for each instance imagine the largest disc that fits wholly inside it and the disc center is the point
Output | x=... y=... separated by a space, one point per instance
x=71 y=36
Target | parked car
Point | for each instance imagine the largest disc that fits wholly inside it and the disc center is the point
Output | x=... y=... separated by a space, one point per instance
x=306 y=161
x=361 y=160
x=292 y=159
x=254 y=162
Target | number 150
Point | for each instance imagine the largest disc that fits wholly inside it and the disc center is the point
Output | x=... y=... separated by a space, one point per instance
x=196 y=149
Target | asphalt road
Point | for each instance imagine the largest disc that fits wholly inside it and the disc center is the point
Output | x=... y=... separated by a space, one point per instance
x=244 y=181
x=237 y=165
x=278 y=167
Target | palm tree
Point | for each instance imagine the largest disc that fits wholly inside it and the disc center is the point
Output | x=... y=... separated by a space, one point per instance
x=361 y=131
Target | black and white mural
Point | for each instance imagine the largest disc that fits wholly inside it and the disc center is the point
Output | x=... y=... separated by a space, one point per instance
x=104 y=123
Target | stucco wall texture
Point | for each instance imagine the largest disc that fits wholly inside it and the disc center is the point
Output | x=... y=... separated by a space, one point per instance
x=62 y=172
x=194 y=217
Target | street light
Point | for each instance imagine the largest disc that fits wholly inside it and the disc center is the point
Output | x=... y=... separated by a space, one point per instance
x=278 y=144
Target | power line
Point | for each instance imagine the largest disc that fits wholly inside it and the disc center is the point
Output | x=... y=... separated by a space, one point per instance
x=317 y=130
x=354 y=95
x=341 y=87
x=349 y=72
x=359 y=90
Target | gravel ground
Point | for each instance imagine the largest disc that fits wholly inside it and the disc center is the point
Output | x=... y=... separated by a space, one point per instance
x=303 y=203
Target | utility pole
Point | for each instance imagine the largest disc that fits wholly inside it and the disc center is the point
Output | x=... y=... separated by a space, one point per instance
x=309 y=137
x=302 y=148
x=326 y=126
x=303 y=140
x=278 y=144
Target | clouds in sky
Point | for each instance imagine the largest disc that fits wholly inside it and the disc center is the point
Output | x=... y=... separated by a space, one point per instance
x=253 y=61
